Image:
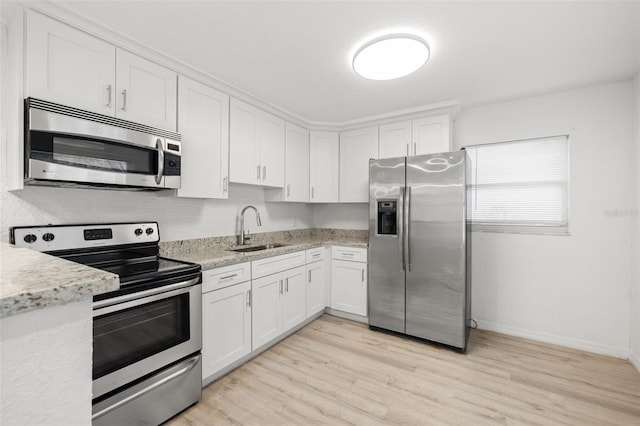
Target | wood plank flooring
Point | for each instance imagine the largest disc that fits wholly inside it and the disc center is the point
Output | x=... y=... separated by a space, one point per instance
x=335 y=371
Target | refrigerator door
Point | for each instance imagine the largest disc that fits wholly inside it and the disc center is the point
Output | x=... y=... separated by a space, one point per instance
x=386 y=261
x=435 y=210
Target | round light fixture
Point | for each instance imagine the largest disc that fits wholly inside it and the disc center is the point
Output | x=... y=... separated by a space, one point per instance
x=390 y=57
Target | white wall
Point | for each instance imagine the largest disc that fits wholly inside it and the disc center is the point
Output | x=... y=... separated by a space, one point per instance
x=634 y=356
x=341 y=216
x=45 y=366
x=179 y=218
x=571 y=290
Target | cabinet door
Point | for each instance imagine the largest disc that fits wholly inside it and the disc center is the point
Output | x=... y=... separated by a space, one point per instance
x=316 y=281
x=203 y=122
x=395 y=140
x=294 y=301
x=272 y=150
x=68 y=66
x=357 y=147
x=296 y=165
x=324 y=157
x=147 y=92
x=432 y=135
x=226 y=327
x=244 y=143
x=266 y=309
x=349 y=287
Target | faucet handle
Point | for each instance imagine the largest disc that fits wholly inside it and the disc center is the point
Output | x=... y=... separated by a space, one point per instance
x=247 y=236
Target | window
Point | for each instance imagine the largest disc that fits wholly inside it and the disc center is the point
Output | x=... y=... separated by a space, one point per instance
x=520 y=186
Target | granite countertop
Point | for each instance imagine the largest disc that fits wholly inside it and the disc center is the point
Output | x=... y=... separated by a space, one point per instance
x=215 y=252
x=31 y=280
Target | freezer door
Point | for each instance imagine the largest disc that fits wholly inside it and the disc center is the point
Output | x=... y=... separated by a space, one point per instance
x=386 y=262
x=435 y=209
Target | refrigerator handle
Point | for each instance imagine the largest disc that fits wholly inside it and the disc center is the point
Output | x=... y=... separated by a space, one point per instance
x=400 y=213
x=407 y=223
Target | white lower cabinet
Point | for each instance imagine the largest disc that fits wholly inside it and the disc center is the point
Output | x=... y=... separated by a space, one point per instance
x=349 y=281
x=226 y=327
x=278 y=304
x=316 y=287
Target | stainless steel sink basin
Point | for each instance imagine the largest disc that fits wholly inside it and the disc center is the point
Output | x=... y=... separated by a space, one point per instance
x=258 y=248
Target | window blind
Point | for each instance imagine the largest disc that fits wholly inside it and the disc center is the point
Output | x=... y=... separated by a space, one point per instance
x=520 y=186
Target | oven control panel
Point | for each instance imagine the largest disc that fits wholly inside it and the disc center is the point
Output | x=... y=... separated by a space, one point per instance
x=66 y=237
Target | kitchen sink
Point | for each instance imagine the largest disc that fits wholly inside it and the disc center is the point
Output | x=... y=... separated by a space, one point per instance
x=258 y=248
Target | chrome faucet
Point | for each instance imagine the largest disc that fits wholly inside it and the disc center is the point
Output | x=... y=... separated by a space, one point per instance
x=243 y=238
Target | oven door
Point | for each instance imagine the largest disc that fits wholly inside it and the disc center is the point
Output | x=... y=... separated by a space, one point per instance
x=137 y=334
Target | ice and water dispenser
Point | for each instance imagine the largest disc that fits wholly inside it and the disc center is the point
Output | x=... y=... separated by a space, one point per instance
x=387 y=217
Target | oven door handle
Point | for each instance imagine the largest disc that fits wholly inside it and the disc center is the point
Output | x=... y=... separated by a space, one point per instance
x=192 y=363
x=98 y=307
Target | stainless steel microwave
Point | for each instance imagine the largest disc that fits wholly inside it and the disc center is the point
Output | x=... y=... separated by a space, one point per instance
x=66 y=146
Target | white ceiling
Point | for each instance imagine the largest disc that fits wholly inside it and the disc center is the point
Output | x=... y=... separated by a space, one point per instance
x=297 y=54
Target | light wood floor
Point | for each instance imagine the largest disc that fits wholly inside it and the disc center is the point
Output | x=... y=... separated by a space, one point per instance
x=336 y=371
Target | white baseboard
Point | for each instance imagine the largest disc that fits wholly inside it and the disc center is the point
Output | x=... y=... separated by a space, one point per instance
x=556 y=340
x=347 y=315
x=635 y=360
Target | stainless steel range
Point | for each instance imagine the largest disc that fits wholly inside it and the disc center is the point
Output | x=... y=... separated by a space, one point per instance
x=147 y=336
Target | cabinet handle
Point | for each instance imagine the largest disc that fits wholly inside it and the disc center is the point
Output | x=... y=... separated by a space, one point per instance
x=309 y=277
x=407 y=149
x=264 y=172
x=348 y=254
x=312 y=188
x=316 y=255
x=225 y=184
x=226 y=277
x=124 y=100
x=109 y=95
x=415 y=149
x=258 y=172
x=280 y=286
x=286 y=285
x=363 y=275
x=288 y=190
x=249 y=298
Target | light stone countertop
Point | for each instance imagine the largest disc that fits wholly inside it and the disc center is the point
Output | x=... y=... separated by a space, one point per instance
x=32 y=280
x=216 y=252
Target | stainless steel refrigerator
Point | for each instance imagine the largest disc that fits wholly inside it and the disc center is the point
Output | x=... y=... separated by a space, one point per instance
x=418 y=256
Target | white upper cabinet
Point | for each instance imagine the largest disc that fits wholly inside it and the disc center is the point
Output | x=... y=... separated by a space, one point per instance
x=395 y=140
x=324 y=157
x=428 y=135
x=272 y=150
x=432 y=134
x=296 y=164
x=256 y=146
x=203 y=122
x=296 y=167
x=357 y=147
x=146 y=91
x=68 y=66
x=244 y=143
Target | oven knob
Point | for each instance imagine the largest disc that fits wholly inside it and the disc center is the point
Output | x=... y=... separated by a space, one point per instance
x=30 y=238
x=48 y=237
x=138 y=231
x=149 y=231
x=172 y=163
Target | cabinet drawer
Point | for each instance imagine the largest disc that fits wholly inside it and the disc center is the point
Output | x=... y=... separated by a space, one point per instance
x=275 y=264
x=316 y=254
x=213 y=279
x=349 y=253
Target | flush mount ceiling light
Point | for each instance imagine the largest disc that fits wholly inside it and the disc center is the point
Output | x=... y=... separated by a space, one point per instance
x=390 y=57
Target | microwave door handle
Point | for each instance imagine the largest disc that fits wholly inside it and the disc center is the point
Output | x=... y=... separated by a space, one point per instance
x=160 y=149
